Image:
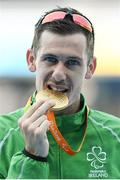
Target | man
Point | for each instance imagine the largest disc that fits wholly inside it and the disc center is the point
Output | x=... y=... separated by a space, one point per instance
x=62 y=57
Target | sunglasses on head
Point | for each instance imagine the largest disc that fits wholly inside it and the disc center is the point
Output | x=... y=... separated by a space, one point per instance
x=57 y=15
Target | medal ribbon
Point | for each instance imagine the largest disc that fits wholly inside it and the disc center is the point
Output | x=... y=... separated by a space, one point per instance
x=56 y=133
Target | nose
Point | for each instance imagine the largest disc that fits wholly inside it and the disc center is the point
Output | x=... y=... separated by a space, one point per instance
x=59 y=72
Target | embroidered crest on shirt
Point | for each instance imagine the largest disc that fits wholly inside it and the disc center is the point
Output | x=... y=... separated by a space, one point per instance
x=97 y=159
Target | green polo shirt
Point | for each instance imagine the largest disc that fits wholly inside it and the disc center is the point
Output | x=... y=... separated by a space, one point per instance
x=98 y=159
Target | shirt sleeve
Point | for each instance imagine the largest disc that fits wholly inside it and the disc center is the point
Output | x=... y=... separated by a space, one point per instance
x=24 y=167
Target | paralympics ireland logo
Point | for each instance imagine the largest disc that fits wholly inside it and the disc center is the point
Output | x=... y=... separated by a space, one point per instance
x=96 y=157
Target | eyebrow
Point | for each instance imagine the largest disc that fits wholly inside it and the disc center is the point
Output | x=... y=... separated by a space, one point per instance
x=50 y=55
x=59 y=56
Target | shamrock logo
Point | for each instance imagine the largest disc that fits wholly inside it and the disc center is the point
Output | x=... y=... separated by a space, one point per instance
x=97 y=157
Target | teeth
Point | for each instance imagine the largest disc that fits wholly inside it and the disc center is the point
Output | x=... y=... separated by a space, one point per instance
x=57 y=89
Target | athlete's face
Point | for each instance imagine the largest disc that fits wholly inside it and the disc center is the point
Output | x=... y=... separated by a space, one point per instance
x=61 y=64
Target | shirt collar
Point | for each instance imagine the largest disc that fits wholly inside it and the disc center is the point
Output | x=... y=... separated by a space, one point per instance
x=68 y=123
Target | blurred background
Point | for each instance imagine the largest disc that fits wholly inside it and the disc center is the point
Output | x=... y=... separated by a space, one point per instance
x=17 y=20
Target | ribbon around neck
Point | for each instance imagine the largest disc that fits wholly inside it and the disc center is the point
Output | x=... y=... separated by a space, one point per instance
x=57 y=134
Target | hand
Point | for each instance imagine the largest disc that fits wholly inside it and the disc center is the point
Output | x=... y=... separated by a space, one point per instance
x=34 y=126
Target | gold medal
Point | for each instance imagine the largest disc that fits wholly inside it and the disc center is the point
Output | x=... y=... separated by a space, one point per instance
x=60 y=98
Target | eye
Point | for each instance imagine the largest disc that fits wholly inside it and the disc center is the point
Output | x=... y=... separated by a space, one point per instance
x=51 y=60
x=72 y=62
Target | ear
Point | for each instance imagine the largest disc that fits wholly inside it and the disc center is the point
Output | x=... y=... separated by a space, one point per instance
x=31 y=60
x=91 y=68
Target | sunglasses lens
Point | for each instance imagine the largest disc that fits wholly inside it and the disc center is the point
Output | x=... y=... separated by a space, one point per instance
x=78 y=19
x=53 y=16
x=82 y=22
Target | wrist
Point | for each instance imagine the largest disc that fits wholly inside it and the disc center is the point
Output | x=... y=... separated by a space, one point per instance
x=35 y=157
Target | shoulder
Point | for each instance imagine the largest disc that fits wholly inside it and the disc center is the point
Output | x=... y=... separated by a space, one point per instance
x=10 y=121
x=10 y=138
x=11 y=117
x=105 y=123
x=103 y=117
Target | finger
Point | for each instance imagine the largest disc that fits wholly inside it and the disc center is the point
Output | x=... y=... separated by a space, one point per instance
x=42 y=109
x=37 y=123
x=41 y=130
x=30 y=111
x=33 y=108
